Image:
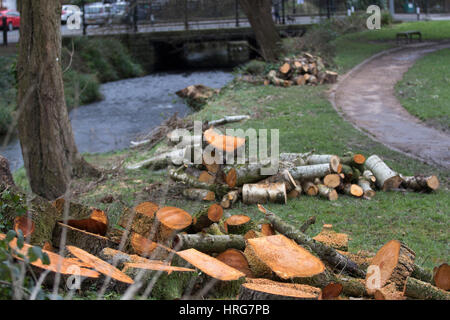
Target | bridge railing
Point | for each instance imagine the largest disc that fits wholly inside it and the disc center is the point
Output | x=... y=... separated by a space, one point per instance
x=165 y=15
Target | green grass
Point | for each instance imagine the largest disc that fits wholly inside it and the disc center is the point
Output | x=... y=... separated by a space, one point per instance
x=424 y=89
x=431 y=30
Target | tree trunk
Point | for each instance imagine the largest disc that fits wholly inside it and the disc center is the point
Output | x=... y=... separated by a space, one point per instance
x=259 y=14
x=50 y=155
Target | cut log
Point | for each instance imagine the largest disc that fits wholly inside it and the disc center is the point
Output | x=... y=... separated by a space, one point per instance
x=327 y=193
x=284 y=69
x=206 y=217
x=142 y=245
x=310 y=188
x=100 y=265
x=264 y=289
x=353 y=190
x=228 y=119
x=24 y=224
x=352 y=287
x=90 y=242
x=229 y=199
x=351 y=174
x=39 y=210
x=276 y=81
x=386 y=178
x=191 y=181
x=211 y=266
x=389 y=292
x=393 y=263
x=330 y=77
x=160 y=161
x=422 y=274
x=237 y=260
x=310 y=171
x=267 y=230
x=253 y=234
x=238 y=224
x=332 y=180
x=283 y=177
x=334 y=259
x=144 y=217
x=441 y=277
x=264 y=193
x=119 y=258
x=171 y=221
x=333 y=160
x=365 y=186
x=238 y=175
x=331 y=292
x=197 y=95
x=226 y=144
x=307 y=223
x=199 y=194
x=277 y=257
x=421 y=183
x=206 y=177
x=58 y=264
x=369 y=176
x=333 y=239
x=300 y=80
x=354 y=160
x=421 y=290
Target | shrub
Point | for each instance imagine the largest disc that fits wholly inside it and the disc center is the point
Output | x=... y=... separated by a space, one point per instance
x=254 y=67
x=80 y=89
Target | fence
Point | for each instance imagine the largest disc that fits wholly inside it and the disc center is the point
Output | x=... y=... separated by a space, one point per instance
x=192 y=14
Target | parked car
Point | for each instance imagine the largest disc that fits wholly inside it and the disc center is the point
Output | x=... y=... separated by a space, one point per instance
x=12 y=19
x=97 y=13
x=67 y=11
x=119 y=12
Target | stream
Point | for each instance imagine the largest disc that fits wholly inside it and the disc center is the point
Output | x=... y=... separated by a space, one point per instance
x=130 y=107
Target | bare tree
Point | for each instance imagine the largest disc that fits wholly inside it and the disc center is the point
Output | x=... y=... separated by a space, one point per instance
x=48 y=146
x=259 y=13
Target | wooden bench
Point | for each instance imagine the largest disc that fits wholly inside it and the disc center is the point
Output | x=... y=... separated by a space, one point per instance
x=408 y=35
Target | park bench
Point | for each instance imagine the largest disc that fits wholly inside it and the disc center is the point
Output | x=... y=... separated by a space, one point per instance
x=408 y=35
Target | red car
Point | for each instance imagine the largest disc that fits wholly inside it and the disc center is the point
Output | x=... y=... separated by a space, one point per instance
x=12 y=19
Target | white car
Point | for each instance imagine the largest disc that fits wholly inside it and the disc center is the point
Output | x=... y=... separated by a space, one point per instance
x=67 y=11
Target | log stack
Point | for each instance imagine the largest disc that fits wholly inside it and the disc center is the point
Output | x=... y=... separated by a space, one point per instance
x=301 y=70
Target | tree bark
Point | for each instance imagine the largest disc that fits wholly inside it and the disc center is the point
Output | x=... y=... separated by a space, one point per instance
x=50 y=155
x=209 y=243
x=421 y=290
x=259 y=14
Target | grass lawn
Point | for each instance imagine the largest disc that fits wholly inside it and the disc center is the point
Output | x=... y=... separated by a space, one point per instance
x=307 y=121
x=424 y=89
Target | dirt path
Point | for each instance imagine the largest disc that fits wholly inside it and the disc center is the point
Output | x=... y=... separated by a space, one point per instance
x=365 y=96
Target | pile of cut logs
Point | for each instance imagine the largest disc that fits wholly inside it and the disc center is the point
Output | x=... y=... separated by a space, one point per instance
x=211 y=251
x=211 y=254
x=323 y=175
x=301 y=70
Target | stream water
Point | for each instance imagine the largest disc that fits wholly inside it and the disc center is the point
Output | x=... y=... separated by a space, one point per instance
x=130 y=107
